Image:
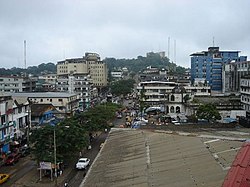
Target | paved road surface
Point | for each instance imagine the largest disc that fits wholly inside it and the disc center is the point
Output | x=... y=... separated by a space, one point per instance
x=24 y=173
x=75 y=178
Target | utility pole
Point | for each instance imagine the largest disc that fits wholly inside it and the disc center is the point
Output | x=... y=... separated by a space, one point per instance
x=174 y=51
x=55 y=156
x=29 y=123
x=142 y=97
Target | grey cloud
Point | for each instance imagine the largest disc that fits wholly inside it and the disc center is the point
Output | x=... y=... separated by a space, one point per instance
x=57 y=29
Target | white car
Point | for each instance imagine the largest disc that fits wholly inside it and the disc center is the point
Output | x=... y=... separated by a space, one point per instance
x=176 y=122
x=142 y=119
x=82 y=163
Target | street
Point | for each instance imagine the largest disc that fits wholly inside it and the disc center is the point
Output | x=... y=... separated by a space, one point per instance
x=21 y=168
x=25 y=173
x=76 y=176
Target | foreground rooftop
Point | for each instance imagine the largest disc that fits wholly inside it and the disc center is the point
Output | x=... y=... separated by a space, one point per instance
x=145 y=158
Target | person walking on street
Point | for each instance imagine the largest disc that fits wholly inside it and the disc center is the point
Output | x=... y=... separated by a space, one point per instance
x=80 y=154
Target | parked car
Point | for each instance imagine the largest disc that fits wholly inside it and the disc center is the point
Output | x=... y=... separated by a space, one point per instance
x=82 y=163
x=12 y=158
x=24 y=151
x=4 y=178
x=176 y=122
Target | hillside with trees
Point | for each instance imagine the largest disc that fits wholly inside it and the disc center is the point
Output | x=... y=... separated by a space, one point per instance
x=35 y=70
x=140 y=63
x=133 y=65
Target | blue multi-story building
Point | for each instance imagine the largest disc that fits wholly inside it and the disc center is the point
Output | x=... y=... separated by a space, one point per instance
x=208 y=65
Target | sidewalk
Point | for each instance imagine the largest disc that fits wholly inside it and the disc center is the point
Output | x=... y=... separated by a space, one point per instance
x=32 y=178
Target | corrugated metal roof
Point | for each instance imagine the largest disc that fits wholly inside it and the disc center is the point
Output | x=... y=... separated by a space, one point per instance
x=42 y=94
x=145 y=158
x=239 y=173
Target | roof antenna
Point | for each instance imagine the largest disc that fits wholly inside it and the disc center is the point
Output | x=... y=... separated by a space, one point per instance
x=25 y=54
x=174 y=51
x=213 y=41
x=169 y=48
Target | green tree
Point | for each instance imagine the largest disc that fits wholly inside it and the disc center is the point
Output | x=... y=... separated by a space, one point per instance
x=186 y=98
x=99 y=117
x=122 y=87
x=208 y=112
x=70 y=136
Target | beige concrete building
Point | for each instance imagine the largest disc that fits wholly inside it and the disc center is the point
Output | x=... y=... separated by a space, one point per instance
x=48 y=78
x=90 y=64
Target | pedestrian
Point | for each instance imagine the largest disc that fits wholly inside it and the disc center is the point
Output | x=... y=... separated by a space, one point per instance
x=80 y=154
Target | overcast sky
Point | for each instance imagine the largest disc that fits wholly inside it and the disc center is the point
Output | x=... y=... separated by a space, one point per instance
x=59 y=29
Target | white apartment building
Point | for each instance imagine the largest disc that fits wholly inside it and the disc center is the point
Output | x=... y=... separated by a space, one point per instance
x=48 y=78
x=47 y=82
x=65 y=103
x=231 y=75
x=21 y=116
x=245 y=100
x=245 y=93
x=6 y=126
x=117 y=74
x=16 y=84
x=83 y=86
x=171 y=95
x=13 y=122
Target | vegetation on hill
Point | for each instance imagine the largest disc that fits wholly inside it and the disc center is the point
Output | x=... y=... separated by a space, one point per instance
x=35 y=70
x=140 y=63
x=133 y=65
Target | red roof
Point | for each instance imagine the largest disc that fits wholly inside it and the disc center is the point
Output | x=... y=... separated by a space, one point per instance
x=239 y=173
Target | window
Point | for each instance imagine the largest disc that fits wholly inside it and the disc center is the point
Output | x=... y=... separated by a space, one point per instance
x=172 y=98
x=60 y=100
x=172 y=109
x=178 y=109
